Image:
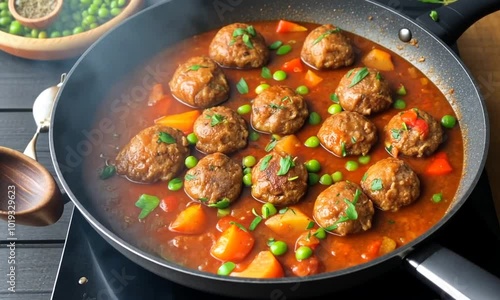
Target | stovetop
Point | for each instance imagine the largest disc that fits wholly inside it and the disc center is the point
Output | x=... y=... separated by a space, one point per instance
x=91 y=269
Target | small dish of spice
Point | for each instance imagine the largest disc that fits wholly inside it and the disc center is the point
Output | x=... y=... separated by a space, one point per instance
x=37 y=14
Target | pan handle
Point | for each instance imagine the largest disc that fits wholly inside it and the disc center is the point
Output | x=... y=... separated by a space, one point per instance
x=454 y=19
x=448 y=272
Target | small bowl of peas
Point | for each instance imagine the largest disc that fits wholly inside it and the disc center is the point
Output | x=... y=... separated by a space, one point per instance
x=78 y=24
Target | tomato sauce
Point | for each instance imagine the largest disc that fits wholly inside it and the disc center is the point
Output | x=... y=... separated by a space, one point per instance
x=127 y=108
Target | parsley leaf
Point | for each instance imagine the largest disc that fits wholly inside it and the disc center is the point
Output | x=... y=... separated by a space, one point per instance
x=342 y=148
x=271 y=145
x=286 y=163
x=334 y=98
x=216 y=119
x=247 y=41
x=107 y=172
x=166 y=138
x=223 y=203
x=254 y=223
x=265 y=162
x=328 y=32
x=266 y=73
x=360 y=75
x=147 y=204
x=376 y=184
x=238 y=225
x=196 y=67
x=242 y=86
x=351 y=212
x=190 y=177
x=310 y=225
x=275 y=106
x=396 y=134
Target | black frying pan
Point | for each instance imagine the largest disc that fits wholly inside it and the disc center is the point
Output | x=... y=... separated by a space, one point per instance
x=154 y=29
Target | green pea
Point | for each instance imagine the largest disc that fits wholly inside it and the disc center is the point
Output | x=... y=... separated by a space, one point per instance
x=247 y=179
x=86 y=2
x=67 y=33
x=351 y=165
x=364 y=160
x=278 y=248
x=16 y=28
x=192 y=138
x=399 y=104
x=42 y=35
x=302 y=90
x=115 y=11
x=268 y=210
x=312 y=142
x=103 y=12
x=121 y=2
x=448 y=121
x=34 y=33
x=244 y=109
x=334 y=109
x=247 y=171
x=320 y=233
x=249 y=161
x=113 y=4
x=326 y=179
x=303 y=252
x=4 y=21
x=175 y=184
x=5 y=13
x=191 y=162
x=337 y=176
x=89 y=19
x=279 y=75
x=261 y=87
x=313 y=166
x=77 y=30
x=65 y=18
x=226 y=268
x=97 y=2
x=314 y=118
x=55 y=34
x=284 y=49
x=312 y=179
x=4 y=6
x=222 y=212
x=254 y=136
x=93 y=25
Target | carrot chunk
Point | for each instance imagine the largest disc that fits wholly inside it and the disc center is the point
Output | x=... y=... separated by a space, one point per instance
x=234 y=244
x=291 y=222
x=294 y=65
x=287 y=26
x=264 y=265
x=191 y=220
x=440 y=165
x=183 y=121
x=312 y=79
x=378 y=59
x=288 y=144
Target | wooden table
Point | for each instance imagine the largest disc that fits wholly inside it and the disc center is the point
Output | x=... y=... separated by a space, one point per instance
x=38 y=250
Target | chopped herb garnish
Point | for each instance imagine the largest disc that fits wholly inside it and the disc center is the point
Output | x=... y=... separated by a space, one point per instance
x=376 y=184
x=342 y=148
x=350 y=212
x=275 y=45
x=275 y=106
x=246 y=40
x=390 y=221
x=405 y=127
x=245 y=34
x=238 y=225
x=226 y=268
x=293 y=178
x=239 y=32
x=286 y=163
x=322 y=36
x=434 y=15
x=283 y=210
x=310 y=225
x=147 y=204
x=271 y=145
x=254 y=212
x=107 y=172
x=251 y=30
x=357 y=194
x=360 y=75
x=255 y=223
x=364 y=177
x=353 y=140
x=196 y=67
x=265 y=162
x=266 y=73
x=334 y=98
x=378 y=76
x=223 y=203
x=166 y=138
x=216 y=119
x=270 y=241
x=401 y=90
x=349 y=73
x=396 y=134
x=389 y=149
x=203 y=199
x=436 y=198
x=242 y=86
x=286 y=99
x=190 y=177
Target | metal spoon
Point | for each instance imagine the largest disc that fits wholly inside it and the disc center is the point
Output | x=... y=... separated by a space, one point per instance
x=42 y=110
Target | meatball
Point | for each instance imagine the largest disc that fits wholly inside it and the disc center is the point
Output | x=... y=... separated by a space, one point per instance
x=391 y=184
x=220 y=129
x=413 y=133
x=364 y=91
x=239 y=46
x=280 y=110
x=347 y=133
x=326 y=47
x=155 y=153
x=200 y=83
x=333 y=209
x=279 y=179
x=215 y=178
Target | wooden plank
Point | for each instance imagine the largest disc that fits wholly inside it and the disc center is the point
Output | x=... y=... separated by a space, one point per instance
x=35 y=268
x=21 y=80
x=52 y=233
